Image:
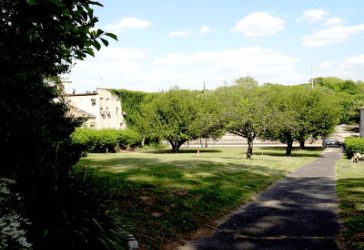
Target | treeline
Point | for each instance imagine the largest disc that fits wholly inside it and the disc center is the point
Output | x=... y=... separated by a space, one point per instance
x=269 y=111
x=349 y=94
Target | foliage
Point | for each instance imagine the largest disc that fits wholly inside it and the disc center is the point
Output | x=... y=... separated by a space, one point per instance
x=131 y=102
x=98 y=141
x=300 y=113
x=350 y=96
x=245 y=110
x=247 y=82
x=12 y=234
x=178 y=116
x=354 y=145
x=40 y=40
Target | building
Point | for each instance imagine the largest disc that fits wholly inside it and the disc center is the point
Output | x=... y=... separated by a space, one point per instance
x=101 y=107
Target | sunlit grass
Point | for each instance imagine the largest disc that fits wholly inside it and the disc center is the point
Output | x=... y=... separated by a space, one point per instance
x=350 y=188
x=164 y=194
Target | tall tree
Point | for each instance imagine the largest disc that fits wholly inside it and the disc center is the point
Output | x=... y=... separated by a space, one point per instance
x=41 y=39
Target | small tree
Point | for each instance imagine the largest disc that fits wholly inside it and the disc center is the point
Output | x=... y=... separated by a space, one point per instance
x=245 y=110
x=178 y=116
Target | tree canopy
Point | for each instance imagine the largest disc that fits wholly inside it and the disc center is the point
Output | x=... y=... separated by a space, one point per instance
x=41 y=39
x=180 y=115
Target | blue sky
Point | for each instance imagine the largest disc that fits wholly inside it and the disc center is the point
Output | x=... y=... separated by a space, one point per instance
x=185 y=43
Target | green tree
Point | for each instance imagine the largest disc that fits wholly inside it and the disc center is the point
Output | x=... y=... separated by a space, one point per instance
x=245 y=111
x=301 y=113
x=248 y=82
x=178 y=116
x=40 y=39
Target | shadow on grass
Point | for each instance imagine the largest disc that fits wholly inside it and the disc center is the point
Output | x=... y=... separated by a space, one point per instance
x=296 y=152
x=179 y=173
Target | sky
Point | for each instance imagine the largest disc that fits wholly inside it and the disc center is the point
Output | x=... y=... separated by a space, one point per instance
x=162 y=44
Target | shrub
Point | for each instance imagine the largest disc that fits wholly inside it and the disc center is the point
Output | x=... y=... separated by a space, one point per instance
x=97 y=141
x=130 y=138
x=12 y=225
x=354 y=145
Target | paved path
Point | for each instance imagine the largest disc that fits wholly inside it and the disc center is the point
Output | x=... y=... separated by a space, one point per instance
x=298 y=212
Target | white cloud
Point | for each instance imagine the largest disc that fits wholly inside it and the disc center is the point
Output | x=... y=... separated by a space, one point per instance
x=204 y=30
x=327 y=65
x=259 y=24
x=313 y=15
x=128 y=23
x=336 y=34
x=248 y=54
x=353 y=62
x=334 y=21
x=184 y=34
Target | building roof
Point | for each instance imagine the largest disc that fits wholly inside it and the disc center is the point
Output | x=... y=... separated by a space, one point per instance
x=361 y=108
x=80 y=113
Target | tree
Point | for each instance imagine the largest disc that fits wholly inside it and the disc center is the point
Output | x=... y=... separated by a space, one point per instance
x=301 y=113
x=248 y=82
x=245 y=111
x=178 y=116
x=41 y=39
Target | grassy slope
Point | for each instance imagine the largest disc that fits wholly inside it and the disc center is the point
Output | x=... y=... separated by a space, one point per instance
x=163 y=194
x=350 y=188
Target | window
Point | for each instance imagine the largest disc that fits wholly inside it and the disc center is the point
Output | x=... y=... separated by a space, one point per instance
x=92 y=126
x=117 y=111
x=93 y=101
x=121 y=125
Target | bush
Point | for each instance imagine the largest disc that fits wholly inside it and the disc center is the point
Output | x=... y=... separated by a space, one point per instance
x=354 y=145
x=97 y=141
x=12 y=225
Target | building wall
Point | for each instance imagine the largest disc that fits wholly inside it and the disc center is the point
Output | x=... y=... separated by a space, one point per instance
x=110 y=105
x=112 y=116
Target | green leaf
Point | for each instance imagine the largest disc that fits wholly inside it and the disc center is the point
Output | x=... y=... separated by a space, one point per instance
x=113 y=36
x=33 y=2
x=90 y=52
x=105 y=42
x=96 y=3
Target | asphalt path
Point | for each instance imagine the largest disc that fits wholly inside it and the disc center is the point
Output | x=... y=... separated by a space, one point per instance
x=298 y=212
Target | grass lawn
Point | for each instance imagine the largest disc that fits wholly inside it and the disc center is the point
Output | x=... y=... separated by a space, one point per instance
x=350 y=188
x=161 y=195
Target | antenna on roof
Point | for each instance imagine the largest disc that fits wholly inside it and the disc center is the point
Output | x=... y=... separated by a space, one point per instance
x=101 y=80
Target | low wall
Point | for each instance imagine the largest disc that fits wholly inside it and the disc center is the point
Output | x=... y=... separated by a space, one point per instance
x=231 y=140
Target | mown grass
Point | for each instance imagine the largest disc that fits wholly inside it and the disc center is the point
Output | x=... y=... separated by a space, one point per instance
x=350 y=188
x=160 y=194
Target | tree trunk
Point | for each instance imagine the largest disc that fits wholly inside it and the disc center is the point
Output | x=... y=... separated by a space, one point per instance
x=176 y=145
x=250 y=147
x=302 y=144
x=289 y=147
x=175 y=149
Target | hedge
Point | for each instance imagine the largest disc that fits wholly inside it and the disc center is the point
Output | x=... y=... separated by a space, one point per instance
x=97 y=141
x=354 y=145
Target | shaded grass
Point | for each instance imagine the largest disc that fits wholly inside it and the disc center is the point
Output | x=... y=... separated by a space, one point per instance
x=350 y=188
x=160 y=194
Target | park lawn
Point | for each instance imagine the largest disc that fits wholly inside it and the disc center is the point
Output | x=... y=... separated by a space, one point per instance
x=350 y=189
x=160 y=195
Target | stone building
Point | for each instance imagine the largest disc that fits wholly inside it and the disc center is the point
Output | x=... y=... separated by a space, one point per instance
x=101 y=107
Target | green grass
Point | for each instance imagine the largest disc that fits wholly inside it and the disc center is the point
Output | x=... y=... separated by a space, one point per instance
x=350 y=188
x=160 y=195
